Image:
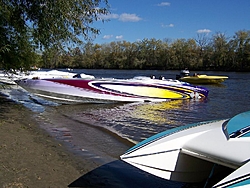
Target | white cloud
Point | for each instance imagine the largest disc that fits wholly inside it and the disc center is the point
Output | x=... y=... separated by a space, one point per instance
x=204 y=31
x=119 y=37
x=109 y=16
x=107 y=36
x=125 y=17
x=162 y=4
x=169 y=25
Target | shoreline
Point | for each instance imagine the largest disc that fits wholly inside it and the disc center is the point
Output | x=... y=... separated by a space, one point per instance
x=31 y=157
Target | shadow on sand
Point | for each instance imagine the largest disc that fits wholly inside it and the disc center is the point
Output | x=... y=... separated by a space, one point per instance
x=122 y=175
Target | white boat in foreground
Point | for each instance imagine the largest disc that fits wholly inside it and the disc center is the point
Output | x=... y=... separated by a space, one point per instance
x=139 y=89
x=198 y=152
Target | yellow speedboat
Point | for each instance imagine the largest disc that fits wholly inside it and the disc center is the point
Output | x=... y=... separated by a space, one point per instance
x=199 y=78
x=204 y=79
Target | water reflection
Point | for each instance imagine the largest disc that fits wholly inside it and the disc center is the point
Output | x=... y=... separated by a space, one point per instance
x=156 y=112
x=135 y=121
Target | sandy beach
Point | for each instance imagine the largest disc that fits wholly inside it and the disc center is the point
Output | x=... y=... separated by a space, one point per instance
x=31 y=157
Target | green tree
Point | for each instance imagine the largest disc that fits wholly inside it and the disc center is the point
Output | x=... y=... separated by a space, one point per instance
x=242 y=42
x=202 y=41
x=27 y=25
x=182 y=53
x=220 y=46
x=51 y=58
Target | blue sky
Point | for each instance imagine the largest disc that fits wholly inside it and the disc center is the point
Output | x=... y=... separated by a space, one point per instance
x=133 y=20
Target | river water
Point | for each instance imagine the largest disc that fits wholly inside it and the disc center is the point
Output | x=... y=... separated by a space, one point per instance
x=137 y=121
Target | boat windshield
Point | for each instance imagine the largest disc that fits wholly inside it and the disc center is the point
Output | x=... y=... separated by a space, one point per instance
x=224 y=128
x=241 y=132
x=239 y=125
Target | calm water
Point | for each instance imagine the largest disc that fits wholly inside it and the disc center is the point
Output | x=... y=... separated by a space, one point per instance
x=137 y=121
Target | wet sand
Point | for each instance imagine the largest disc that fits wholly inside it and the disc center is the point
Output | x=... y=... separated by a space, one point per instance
x=81 y=135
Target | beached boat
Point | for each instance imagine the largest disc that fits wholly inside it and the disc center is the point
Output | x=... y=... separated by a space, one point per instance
x=10 y=77
x=6 y=79
x=216 y=153
x=54 y=74
x=82 y=90
x=200 y=78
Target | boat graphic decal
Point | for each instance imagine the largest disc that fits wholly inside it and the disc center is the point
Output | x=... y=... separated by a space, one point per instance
x=238 y=181
x=126 y=88
x=144 y=90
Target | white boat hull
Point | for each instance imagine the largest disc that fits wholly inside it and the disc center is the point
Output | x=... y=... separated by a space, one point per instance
x=191 y=153
x=110 y=90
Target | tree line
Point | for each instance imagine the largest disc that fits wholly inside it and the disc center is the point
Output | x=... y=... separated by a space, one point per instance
x=218 y=52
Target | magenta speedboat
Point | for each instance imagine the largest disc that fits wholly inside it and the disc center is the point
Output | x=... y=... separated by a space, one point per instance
x=138 y=89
